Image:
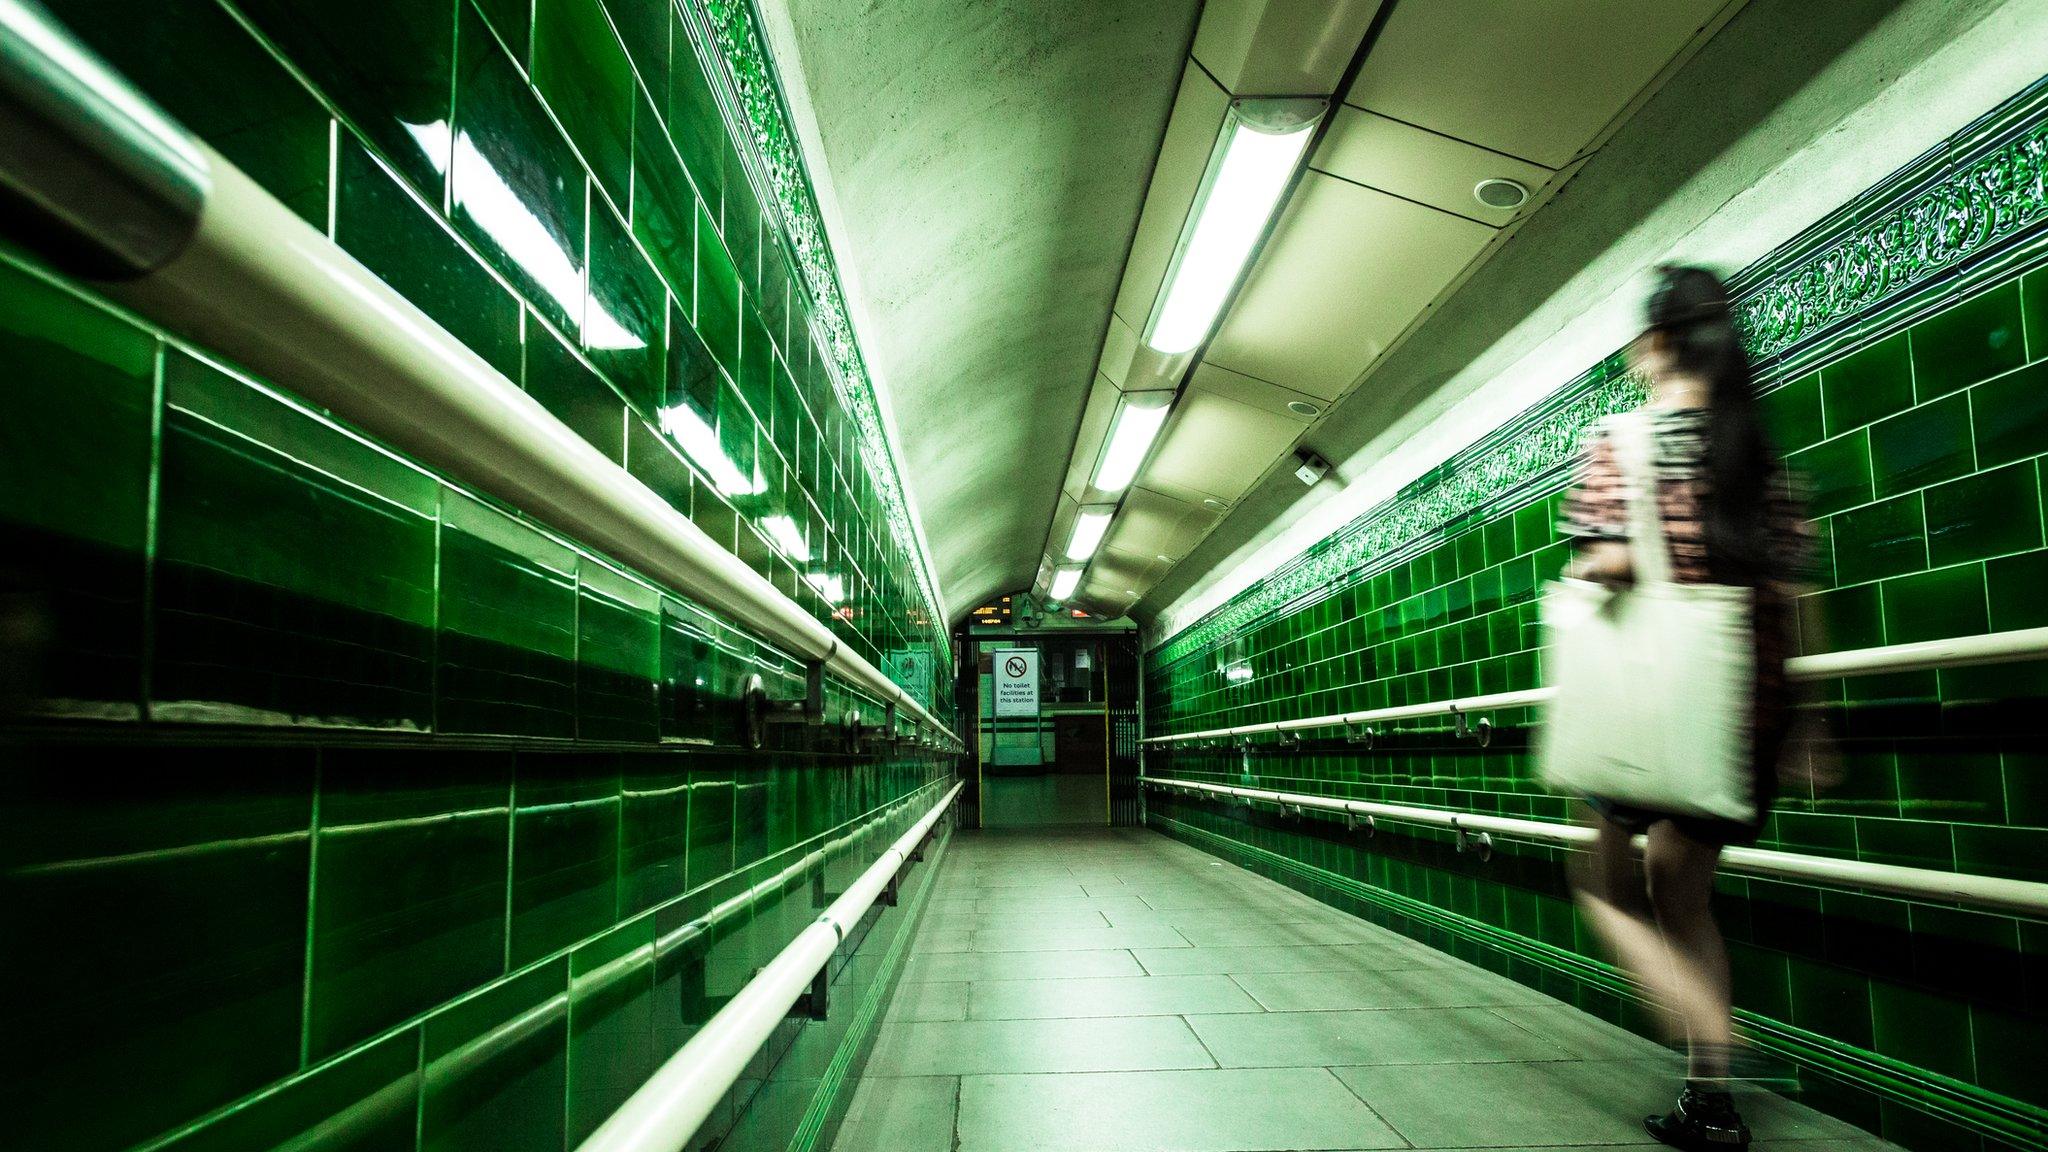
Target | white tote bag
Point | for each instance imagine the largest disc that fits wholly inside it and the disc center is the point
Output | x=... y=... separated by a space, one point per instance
x=1654 y=682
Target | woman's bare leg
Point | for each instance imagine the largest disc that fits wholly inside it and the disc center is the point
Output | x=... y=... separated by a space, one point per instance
x=1681 y=876
x=1616 y=904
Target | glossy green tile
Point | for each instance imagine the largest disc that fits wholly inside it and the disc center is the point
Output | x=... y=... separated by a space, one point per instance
x=644 y=28
x=626 y=314
x=655 y=462
x=295 y=566
x=2018 y=591
x=2010 y=1056
x=577 y=396
x=582 y=73
x=516 y=190
x=404 y=244
x=215 y=79
x=694 y=122
x=1971 y=341
x=496 y=1067
x=713 y=825
x=1935 y=605
x=1951 y=783
x=409 y=895
x=377 y=1088
x=565 y=850
x=693 y=375
x=611 y=1023
x=1877 y=540
x=1793 y=413
x=74 y=491
x=507 y=626
x=1841 y=620
x=1988 y=514
x=718 y=298
x=385 y=64
x=2034 y=308
x=618 y=657
x=1911 y=843
x=1927 y=445
x=2009 y=415
x=2020 y=853
x=1924 y=1030
x=511 y=20
x=665 y=208
x=1868 y=386
x=654 y=825
x=194 y=857
x=1834 y=474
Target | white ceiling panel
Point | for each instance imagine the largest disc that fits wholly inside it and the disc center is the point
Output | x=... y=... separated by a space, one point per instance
x=1218 y=447
x=1537 y=79
x=1152 y=525
x=1418 y=164
x=1346 y=271
x=1281 y=47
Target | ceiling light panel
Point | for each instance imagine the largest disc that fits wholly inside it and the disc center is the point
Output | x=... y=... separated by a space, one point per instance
x=1089 y=527
x=1139 y=417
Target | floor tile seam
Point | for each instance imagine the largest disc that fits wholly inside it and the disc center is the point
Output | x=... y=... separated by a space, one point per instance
x=1367 y=1104
x=1206 y=1050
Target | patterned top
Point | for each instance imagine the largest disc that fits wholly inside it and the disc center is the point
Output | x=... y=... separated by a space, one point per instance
x=1597 y=507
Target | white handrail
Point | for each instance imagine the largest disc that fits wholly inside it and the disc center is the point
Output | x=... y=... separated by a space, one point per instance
x=2025 y=897
x=1960 y=652
x=267 y=289
x=666 y=1111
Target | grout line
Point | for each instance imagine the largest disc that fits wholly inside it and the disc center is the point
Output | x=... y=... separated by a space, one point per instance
x=312 y=920
x=1360 y=1097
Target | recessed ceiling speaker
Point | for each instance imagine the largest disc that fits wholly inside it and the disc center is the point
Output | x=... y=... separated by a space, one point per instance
x=1303 y=408
x=1502 y=194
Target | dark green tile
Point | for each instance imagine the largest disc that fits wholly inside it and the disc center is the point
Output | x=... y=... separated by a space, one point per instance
x=1988 y=514
x=718 y=299
x=2020 y=853
x=665 y=211
x=626 y=314
x=295 y=566
x=1971 y=341
x=1951 y=784
x=1793 y=413
x=2034 y=306
x=1867 y=386
x=618 y=657
x=694 y=122
x=377 y=1088
x=405 y=245
x=654 y=825
x=713 y=824
x=577 y=396
x=611 y=1023
x=497 y=1067
x=644 y=28
x=194 y=857
x=653 y=461
x=2010 y=1056
x=582 y=73
x=1834 y=474
x=2018 y=588
x=565 y=850
x=215 y=79
x=1935 y=605
x=385 y=64
x=2009 y=415
x=512 y=20
x=1925 y=446
x=1912 y=843
x=517 y=192
x=507 y=626
x=1878 y=540
x=409 y=899
x=74 y=494
x=1841 y=620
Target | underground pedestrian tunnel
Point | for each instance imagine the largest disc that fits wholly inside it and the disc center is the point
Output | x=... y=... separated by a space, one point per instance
x=641 y=575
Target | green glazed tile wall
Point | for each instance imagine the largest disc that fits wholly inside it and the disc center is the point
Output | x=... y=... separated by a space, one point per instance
x=345 y=808
x=555 y=183
x=1920 y=426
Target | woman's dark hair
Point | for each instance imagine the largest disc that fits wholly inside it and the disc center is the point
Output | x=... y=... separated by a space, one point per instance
x=1689 y=307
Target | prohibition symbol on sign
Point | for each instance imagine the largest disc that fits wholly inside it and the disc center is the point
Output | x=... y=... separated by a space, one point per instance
x=1016 y=667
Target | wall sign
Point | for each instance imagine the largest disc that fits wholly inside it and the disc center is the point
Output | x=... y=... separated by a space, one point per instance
x=1016 y=677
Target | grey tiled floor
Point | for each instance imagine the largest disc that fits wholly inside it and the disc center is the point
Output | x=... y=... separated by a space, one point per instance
x=1116 y=991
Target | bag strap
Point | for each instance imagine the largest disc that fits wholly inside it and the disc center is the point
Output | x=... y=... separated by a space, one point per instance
x=1635 y=452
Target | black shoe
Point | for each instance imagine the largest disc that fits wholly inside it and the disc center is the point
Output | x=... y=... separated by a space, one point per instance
x=1702 y=1122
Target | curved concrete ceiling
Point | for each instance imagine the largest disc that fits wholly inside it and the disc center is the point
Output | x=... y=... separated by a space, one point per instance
x=980 y=168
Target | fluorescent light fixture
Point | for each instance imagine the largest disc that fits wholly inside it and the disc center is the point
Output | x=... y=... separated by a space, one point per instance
x=699 y=441
x=788 y=537
x=1088 y=529
x=1131 y=434
x=1064 y=582
x=1262 y=143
